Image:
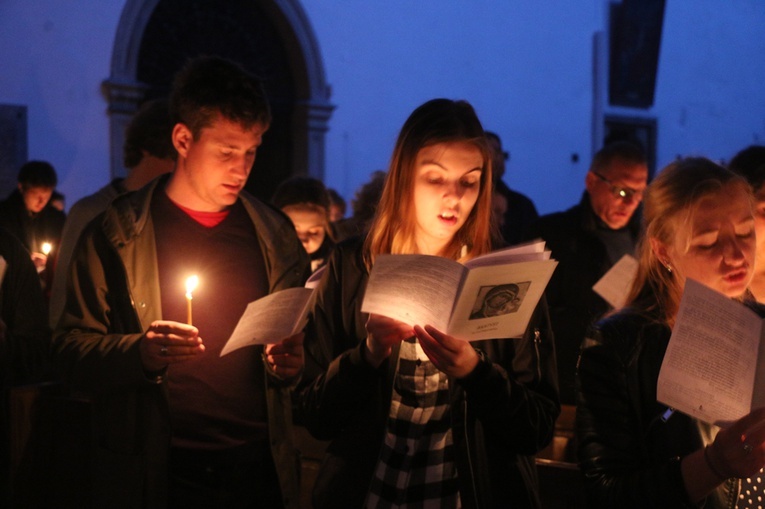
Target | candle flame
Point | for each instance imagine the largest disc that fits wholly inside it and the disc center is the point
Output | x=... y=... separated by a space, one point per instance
x=46 y=248
x=191 y=285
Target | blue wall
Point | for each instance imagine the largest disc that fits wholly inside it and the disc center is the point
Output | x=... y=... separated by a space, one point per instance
x=527 y=67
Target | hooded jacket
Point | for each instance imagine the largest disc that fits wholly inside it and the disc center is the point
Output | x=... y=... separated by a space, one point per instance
x=113 y=295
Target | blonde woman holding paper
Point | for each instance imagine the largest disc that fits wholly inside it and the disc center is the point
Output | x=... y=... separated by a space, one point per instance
x=634 y=451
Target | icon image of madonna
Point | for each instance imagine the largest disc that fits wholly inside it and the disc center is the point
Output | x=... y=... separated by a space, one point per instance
x=498 y=300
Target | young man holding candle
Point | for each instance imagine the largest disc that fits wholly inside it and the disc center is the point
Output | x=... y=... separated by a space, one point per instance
x=165 y=401
x=28 y=214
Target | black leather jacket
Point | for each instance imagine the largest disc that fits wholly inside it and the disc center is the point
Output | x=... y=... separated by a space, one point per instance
x=502 y=414
x=629 y=454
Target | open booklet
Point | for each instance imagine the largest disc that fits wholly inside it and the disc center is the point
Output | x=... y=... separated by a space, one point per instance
x=713 y=368
x=274 y=317
x=490 y=296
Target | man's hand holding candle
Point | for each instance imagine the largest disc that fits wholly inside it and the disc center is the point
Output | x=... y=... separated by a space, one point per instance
x=41 y=259
x=168 y=342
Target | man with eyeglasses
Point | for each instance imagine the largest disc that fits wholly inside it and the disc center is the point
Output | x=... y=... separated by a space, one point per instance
x=587 y=240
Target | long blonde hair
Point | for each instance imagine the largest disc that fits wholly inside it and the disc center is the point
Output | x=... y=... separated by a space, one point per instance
x=393 y=227
x=667 y=212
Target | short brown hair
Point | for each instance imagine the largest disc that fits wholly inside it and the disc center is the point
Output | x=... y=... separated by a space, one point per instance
x=617 y=151
x=211 y=86
x=150 y=130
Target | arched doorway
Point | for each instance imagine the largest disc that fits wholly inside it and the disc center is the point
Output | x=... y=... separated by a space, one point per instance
x=271 y=38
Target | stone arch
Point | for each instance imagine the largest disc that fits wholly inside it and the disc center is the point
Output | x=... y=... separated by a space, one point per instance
x=310 y=108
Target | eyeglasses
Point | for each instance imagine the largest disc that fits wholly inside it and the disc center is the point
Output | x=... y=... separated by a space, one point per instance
x=623 y=193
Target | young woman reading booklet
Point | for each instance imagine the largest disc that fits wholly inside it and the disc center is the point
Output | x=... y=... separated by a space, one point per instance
x=417 y=417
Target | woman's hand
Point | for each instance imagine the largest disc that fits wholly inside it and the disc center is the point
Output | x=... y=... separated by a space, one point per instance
x=739 y=451
x=455 y=357
x=382 y=334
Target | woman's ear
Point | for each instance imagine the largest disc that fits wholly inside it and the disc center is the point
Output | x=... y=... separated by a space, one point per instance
x=660 y=251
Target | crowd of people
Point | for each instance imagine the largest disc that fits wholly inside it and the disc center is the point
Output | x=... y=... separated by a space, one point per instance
x=411 y=416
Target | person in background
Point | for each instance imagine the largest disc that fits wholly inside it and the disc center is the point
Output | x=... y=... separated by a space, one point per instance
x=24 y=339
x=148 y=152
x=587 y=240
x=518 y=211
x=364 y=205
x=26 y=342
x=418 y=418
x=176 y=424
x=28 y=214
x=58 y=201
x=634 y=451
x=498 y=209
x=337 y=206
x=306 y=202
x=750 y=163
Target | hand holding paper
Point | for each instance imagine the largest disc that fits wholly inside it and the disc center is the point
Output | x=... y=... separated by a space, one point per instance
x=450 y=355
x=728 y=452
x=285 y=359
x=382 y=334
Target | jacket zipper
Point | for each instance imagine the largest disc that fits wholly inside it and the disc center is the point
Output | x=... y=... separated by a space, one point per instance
x=537 y=341
x=467 y=448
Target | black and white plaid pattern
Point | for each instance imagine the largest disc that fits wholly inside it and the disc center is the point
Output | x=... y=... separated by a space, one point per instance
x=416 y=467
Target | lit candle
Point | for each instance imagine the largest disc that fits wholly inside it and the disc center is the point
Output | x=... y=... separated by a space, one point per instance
x=191 y=284
x=46 y=248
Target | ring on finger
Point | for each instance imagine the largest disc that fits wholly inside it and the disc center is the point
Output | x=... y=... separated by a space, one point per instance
x=163 y=351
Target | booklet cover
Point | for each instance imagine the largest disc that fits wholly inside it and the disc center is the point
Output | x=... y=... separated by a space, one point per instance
x=713 y=368
x=491 y=296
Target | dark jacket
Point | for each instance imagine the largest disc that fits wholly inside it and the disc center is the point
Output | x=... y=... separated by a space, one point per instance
x=112 y=297
x=25 y=349
x=582 y=261
x=502 y=413
x=520 y=215
x=32 y=231
x=24 y=343
x=631 y=456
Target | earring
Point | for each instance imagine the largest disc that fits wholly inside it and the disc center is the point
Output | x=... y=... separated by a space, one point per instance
x=668 y=267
